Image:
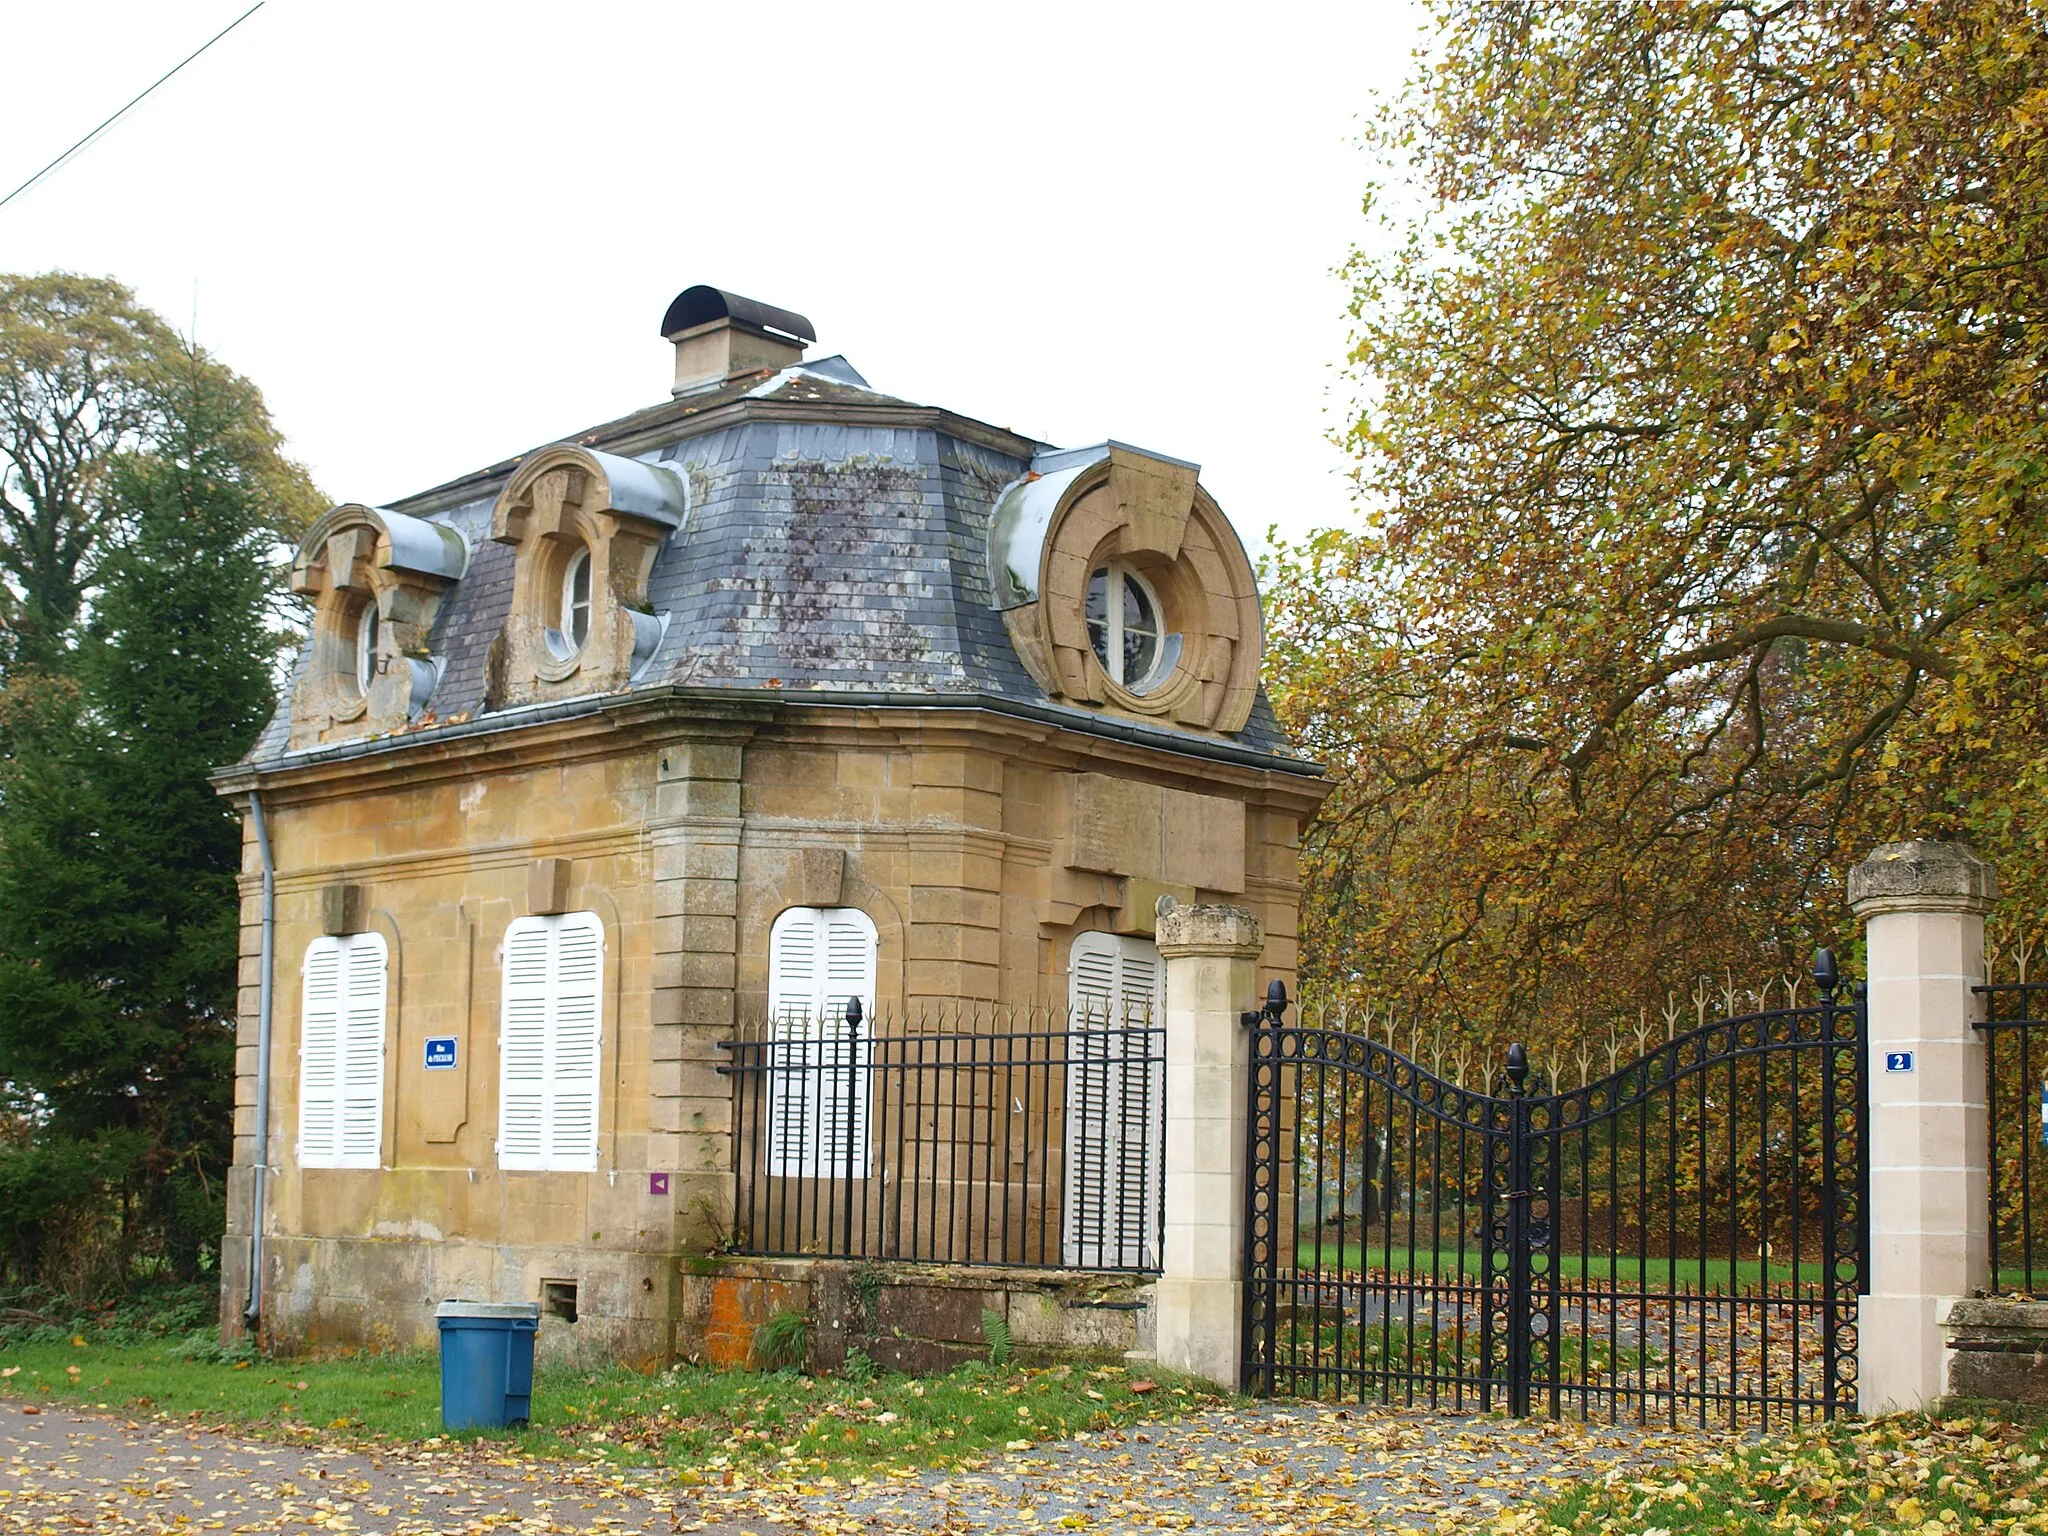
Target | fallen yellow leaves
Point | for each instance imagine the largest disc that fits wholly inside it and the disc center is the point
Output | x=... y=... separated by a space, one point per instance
x=1287 y=1469
x=1898 y=1475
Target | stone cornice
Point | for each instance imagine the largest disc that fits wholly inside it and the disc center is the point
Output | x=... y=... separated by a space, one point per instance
x=1878 y=906
x=538 y=736
x=1209 y=929
x=1922 y=876
x=602 y=724
x=1055 y=738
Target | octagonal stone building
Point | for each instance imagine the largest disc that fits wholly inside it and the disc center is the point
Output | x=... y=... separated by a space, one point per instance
x=602 y=762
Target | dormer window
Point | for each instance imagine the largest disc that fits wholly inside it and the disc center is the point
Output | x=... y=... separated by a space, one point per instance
x=366 y=647
x=1123 y=625
x=586 y=527
x=573 y=624
x=1122 y=585
x=375 y=580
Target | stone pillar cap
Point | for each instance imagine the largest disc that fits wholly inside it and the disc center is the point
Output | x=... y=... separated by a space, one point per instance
x=1206 y=928
x=1922 y=876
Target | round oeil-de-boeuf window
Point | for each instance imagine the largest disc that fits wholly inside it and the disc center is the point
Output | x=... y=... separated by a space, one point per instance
x=572 y=615
x=365 y=670
x=1124 y=627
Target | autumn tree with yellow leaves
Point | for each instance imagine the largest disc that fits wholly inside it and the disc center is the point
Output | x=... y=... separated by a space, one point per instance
x=1704 y=357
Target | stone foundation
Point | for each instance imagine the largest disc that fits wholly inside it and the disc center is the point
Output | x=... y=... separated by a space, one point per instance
x=1995 y=1348
x=341 y=1295
x=913 y=1318
x=334 y=1296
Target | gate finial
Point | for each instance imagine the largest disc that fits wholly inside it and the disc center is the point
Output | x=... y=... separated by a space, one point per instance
x=1824 y=973
x=1518 y=1067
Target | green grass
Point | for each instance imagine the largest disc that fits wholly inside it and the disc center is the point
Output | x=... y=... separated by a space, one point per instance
x=1391 y=1345
x=1906 y=1474
x=1657 y=1274
x=702 y=1422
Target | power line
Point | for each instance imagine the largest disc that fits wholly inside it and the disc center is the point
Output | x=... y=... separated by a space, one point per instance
x=86 y=142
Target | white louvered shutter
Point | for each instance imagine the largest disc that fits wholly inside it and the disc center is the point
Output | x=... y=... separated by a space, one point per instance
x=362 y=1050
x=1139 y=1172
x=550 y=1035
x=819 y=1084
x=846 y=1051
x=320 y=1056
x=1116 y=1103
x=1092 y=976
x=523 y=1045
x=572 y=1067
x=793 y=985
x=341 y=1052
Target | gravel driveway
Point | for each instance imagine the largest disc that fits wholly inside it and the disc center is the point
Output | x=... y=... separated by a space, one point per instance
x=70 y=1471
x=1266 y=1468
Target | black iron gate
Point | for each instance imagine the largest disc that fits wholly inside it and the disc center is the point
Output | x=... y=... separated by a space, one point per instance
x=1680 y=1238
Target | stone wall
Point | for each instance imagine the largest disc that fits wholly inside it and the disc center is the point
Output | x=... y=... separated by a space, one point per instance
x=443 y=856
x=979 y=844
x=913 y=1318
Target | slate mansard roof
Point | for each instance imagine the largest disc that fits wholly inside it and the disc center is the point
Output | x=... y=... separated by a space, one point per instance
x=835 y=549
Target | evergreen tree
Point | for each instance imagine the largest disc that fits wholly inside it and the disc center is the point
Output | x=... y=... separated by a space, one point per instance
x=118 y=864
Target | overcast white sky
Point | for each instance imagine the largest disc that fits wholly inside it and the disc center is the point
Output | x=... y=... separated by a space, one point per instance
x=437 y=235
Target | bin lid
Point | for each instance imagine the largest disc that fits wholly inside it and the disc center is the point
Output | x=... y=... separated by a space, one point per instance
x=526 y=1309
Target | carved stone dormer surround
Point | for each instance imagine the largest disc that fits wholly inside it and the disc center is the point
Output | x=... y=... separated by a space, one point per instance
x=356 y=559
x=1090 y=509
x=566 y=501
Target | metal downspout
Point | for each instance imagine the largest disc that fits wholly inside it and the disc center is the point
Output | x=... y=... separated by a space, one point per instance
x=253 y=1311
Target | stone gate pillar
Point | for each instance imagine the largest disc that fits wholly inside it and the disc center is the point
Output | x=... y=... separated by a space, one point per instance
x=1923 y=905
x=1212 y=955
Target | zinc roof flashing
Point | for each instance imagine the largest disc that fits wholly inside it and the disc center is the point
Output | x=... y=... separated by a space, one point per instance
x=827 y=370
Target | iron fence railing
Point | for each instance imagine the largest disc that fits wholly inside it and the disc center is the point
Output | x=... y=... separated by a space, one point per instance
x=2015 y=1080
x=968 y=1134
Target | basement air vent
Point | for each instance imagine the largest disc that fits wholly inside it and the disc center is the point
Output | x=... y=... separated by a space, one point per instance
x=558 y=1299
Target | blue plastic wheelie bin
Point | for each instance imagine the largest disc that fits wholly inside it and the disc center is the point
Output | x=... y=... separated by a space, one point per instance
x=487 y=1363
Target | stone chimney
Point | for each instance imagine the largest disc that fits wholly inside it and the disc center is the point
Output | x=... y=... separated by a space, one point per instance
x=719 y=334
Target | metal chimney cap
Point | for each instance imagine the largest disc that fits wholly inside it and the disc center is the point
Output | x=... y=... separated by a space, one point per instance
x=700 y=305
